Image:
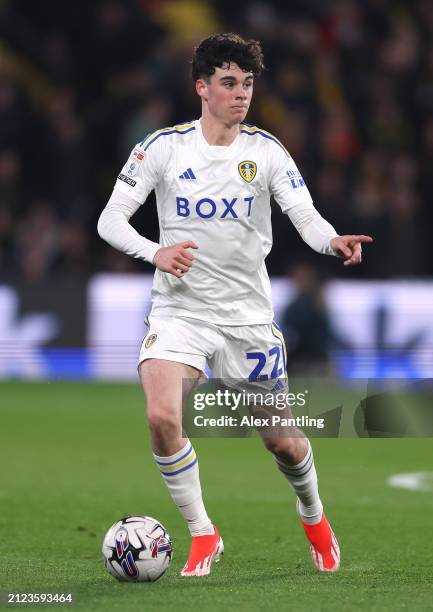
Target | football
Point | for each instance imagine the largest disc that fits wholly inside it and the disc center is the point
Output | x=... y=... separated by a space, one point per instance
x=137 y=549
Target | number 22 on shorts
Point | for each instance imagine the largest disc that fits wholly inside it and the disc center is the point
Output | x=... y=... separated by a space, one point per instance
x=261 y=359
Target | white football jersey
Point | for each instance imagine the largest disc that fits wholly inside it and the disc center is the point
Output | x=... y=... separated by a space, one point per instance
x=218 y=197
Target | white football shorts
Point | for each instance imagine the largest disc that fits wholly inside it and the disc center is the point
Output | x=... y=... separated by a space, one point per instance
x=254 y=353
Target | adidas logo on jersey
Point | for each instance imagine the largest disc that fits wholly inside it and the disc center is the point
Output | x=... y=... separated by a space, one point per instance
x=188 y=174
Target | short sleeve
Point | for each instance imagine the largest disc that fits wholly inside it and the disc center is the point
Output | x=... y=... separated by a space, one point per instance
x=286 y=182
x=143 y=170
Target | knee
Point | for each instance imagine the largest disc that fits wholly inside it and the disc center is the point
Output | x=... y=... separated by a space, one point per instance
x=292 y=450
x=163 y=424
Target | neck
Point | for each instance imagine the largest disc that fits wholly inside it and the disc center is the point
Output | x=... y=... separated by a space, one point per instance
x=216 y=132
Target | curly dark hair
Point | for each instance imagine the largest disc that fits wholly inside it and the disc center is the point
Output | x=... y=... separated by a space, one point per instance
x=222 y=49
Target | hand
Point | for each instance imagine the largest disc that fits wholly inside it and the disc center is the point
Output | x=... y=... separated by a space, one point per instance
x=349 y=248
x=176 y=259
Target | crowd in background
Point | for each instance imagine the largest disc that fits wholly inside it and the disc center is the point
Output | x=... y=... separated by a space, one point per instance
x=348 y=89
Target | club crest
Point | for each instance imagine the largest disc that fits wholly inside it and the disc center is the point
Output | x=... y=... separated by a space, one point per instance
x=247 y=170
x=150 y=340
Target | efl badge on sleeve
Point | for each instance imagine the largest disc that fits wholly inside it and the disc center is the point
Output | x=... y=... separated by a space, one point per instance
x=247 y=170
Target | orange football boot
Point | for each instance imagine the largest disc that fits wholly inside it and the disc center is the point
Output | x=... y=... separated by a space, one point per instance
x=204 y=550
x=324 y=548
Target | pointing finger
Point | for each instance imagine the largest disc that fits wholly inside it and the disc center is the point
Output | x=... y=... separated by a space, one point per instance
x=361 y=238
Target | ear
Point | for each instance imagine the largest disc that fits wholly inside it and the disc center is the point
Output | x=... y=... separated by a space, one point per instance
x=201 y=88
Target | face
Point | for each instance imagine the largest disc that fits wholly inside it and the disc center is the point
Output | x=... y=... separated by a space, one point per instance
x=227 y=94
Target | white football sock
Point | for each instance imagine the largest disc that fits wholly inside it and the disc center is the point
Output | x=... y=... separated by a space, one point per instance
x=181 y=475
x=303 y=479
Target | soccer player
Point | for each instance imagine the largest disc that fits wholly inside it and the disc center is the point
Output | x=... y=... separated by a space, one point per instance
x=213 y=178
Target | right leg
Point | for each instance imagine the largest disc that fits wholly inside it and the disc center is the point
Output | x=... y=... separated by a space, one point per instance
x=162 y=384
x=165 y=389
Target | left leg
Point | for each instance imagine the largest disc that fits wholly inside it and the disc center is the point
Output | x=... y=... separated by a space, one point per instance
x=294 y=457
x=256 y=354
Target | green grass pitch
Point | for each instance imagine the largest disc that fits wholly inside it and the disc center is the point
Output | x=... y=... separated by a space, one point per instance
x=76 y=457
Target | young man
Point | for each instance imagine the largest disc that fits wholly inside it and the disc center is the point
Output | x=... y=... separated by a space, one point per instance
x=213 y=179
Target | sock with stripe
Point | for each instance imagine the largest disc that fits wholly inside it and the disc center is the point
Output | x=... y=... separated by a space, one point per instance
x=181 y=474
x=303 y=479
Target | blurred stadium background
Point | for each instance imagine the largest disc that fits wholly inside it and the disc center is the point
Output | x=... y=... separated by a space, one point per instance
x=348 y=89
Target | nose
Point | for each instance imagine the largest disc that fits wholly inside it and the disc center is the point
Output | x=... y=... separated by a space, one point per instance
x=241 y=94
